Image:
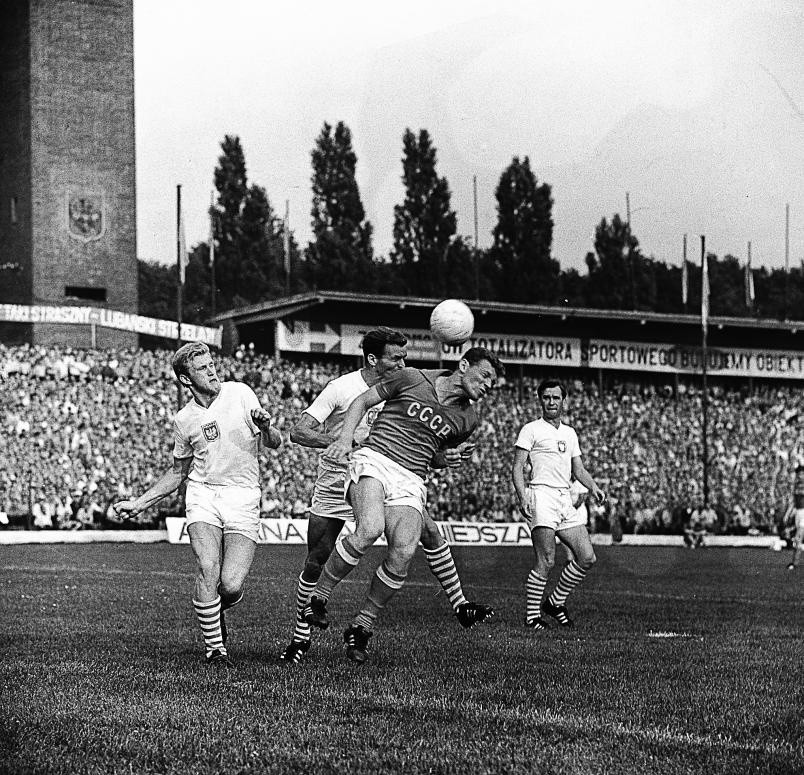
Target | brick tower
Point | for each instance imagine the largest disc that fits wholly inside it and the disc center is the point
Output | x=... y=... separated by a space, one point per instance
x=67 y=169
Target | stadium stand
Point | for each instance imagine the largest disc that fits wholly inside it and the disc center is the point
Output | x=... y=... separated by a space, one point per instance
x=83 y=428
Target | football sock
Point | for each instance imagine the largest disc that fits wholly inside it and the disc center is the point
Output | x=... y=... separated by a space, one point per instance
x=534 y=593
x=209 y=617
x=339 y=565
x=443 y=567
x=572 y=575
x=384 y=586
x=301 y=631
x=229 y=601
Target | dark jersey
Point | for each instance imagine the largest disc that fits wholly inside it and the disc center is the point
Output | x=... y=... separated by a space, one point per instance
x=413 y=425
x=798 y=494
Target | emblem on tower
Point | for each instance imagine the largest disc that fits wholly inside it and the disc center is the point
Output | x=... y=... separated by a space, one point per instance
x=86 y=215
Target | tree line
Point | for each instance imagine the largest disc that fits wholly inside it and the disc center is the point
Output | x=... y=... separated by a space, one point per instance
x=256 y=259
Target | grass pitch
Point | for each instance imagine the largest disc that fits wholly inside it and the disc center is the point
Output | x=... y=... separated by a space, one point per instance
x=682 y=662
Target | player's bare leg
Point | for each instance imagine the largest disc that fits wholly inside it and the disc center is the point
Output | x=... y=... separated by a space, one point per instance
x=322 y=533
x=367 y=497
x=442 y=565
x=582 y=558
x=544 y=549
x=798 y=537
x=403 y=530
x=206 y=542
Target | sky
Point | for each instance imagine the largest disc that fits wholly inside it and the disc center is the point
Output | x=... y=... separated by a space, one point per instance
x=692 y=110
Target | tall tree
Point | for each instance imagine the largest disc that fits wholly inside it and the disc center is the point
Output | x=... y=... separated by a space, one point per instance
x=611 y=277
x=425 y=224
x=523 y=237
x=249 y=256
x=340 y=256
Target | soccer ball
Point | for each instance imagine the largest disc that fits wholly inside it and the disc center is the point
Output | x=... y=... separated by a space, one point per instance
x=452 y=322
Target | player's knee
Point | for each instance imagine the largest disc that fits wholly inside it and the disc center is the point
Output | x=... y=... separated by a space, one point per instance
x=312 y=569
x=366 y=534
x=587 y=560
x=231 y=585
x=431 y=538
x=209 y=568
x=399 y=558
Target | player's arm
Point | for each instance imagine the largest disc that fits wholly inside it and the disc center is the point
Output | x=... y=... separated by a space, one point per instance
x=585 y=478
x=271 y=437
x=342 y=446
x=309 y=433
x=452 y=457
x=518 y=477
x=167 y=483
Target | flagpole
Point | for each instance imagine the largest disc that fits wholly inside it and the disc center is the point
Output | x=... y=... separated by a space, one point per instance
x=212 y=250
x=684 y=278
x=704 y=396
x=286 y=243
x=178 y=267
x=786 y=254
x=178 y=283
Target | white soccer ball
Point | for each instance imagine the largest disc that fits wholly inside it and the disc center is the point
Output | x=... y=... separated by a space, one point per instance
x=452 y=322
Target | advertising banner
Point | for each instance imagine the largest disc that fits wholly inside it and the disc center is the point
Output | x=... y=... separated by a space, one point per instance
x=302 y=336
x=294 y=531
x=728 y=362
x=109 y=318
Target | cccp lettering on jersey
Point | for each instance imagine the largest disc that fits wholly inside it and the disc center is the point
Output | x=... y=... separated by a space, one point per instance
x=428 y=416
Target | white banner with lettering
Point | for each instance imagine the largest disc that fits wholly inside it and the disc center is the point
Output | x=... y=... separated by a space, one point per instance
x=109 y=318
x=294 y=531
x=730 y=362
x=302 y=336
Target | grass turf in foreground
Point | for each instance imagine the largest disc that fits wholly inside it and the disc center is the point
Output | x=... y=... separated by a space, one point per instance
x=682 y=662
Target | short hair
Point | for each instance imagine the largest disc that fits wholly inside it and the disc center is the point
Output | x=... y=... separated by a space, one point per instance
x=551 y=383
x=799 y=469
x=375 y=341
x=183 y=356
x=476 y=354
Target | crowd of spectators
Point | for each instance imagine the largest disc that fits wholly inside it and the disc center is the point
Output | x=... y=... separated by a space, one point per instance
x=84 y=428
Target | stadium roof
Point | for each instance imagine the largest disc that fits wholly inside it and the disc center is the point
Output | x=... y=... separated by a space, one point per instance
x=289 y=306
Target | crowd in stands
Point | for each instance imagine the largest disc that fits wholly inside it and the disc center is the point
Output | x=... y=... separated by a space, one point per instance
x=84 y=428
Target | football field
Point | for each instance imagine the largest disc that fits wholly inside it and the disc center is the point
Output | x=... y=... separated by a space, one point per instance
x=681 y=662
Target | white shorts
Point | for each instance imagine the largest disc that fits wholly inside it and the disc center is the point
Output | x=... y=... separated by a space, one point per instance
x=402 y=487
x=232 y=508
x=552 y=507
x=328 y=493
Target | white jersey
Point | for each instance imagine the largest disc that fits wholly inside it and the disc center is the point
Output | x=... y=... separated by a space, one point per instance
x=222 y=439
x=331 y=404
x=551 y=451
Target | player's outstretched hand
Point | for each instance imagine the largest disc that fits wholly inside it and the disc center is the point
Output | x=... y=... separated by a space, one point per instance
x=125 y=509
x=599 y=495
x=262 y=419
x=338 y=451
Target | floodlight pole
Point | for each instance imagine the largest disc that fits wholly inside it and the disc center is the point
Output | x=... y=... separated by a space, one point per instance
x=705 y=393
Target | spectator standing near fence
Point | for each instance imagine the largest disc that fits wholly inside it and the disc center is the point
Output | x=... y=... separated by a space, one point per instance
x=551 y=450
x=216 y=444
x=796 y=510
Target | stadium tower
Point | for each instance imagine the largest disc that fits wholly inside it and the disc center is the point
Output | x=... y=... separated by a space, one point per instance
x=67 y=171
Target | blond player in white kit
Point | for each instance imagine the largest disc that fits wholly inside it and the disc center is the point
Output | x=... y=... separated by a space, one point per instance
x=551 y=450
x=216 y=444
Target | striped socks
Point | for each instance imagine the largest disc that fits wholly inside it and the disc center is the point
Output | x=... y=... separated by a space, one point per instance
x=443 y=567
x=340 y=564
x=209 y=617
x=384 y=586
x=534 y=594
x=301 y=630
x=572 y=575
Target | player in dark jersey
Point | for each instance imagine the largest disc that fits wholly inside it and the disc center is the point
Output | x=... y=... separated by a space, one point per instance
x=796 y=511
x=426 y=413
